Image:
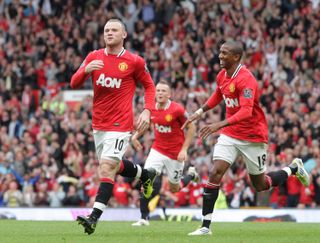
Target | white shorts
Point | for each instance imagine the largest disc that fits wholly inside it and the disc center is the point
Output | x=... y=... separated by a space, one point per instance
x=159 y=161
x=254 y=154
x=111 y=145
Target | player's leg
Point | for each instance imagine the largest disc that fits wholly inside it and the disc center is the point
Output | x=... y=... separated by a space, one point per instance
x=224 y=155
x=154 y=161
x=145 y=204
x=175 y=174
x=132 y=170
x=110 y=147
x=264 y=181
x=255 y=156
x=107 y=171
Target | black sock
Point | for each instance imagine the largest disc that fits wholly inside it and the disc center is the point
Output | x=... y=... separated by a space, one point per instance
x=164 y=212
x=144 y=209
x=210 y=196
x=144 y=175
x=96 y=213
x=293 y=168
x=130 y=169
x=186 y=180
x=103 y=196
x=278 y=177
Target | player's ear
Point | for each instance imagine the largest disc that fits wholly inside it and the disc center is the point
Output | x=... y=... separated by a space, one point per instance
x=237 y=58
x=124 y=34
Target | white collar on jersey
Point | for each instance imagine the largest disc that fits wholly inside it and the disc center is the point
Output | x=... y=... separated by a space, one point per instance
x=119 y=54
x=166 y=106
x=235 y=73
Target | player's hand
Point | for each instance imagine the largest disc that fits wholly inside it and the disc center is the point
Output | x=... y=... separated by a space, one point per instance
x=136 y=144
x=143 y=122
x=183 y=155
x=209 y=129
x=193 y=117
x=93 y=65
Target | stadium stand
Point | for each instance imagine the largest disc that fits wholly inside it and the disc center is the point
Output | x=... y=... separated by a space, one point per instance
x=47 y=153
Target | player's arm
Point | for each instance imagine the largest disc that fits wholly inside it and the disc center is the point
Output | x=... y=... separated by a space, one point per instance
x=191 y=130
x=143 y=76
x=212 y=102
x=84 y=71
x=135 y=140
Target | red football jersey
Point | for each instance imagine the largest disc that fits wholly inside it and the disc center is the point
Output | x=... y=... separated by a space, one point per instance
x=169 y=137
x=241 y=92
x=114 y=86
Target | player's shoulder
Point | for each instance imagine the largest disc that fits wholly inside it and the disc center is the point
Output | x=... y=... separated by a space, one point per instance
x=134 y=57
x=221 y=74
x=177 y=106
x=95 y=53
x=245 y=76
x=245 y=73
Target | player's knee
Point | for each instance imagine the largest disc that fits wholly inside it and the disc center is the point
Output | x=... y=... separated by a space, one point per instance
x=107 y=168
x=174 y=188
x=216 y=175
x=259 y=187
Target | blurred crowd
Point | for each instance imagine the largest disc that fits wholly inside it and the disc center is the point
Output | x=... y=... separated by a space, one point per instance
x=47 y=155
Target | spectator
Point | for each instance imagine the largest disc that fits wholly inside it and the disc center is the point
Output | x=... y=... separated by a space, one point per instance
x=72 y=198
x=13 y=197
x=56 y=196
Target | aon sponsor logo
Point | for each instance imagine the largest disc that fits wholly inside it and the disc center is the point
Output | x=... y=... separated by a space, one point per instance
x=231 y=103
x=108 y=82
x=163 y=129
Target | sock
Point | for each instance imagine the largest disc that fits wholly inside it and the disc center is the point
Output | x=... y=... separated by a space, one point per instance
x=144 y=175
x=210 y=195
x=103 y=196
x=185 y=180
x=164 y=212
x=132 y=170
x=277 y=177
x=292 y=167
x=129 y=169
x=144 y=208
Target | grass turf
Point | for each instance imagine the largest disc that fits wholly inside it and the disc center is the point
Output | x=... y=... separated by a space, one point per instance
x=12 y=231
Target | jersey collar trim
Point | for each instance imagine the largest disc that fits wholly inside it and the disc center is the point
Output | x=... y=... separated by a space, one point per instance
x=166 y=107
x=119 y=54
x=235 y=71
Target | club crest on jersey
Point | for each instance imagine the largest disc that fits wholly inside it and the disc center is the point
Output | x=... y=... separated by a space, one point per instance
x=123 y=66
x=232 y=87
x=168 y=117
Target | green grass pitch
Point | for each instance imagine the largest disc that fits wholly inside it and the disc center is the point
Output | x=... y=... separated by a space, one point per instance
x=12 y=231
